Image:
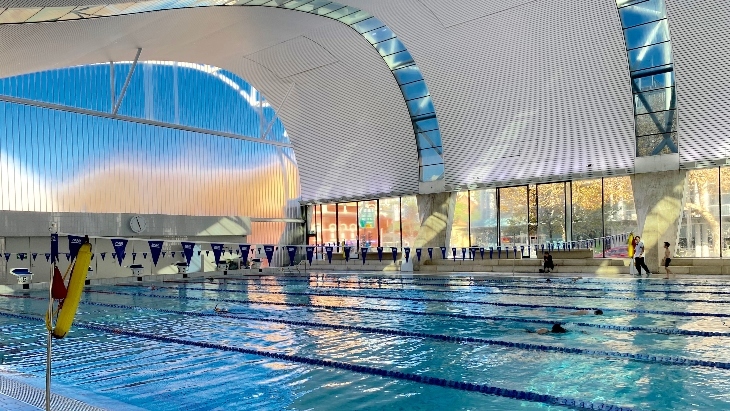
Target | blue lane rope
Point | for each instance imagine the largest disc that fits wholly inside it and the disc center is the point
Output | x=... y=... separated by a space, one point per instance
x=433 y=314
x=393 y=289
x=472 y=279
x=362 y=369
x=441 y=337
x=544 y=285
x=439 y=300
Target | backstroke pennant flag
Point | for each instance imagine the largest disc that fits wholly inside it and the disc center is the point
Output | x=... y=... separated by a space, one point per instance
x=363 y=254
x=7 y=256
x=188 y=249
x=245 y=248
x=144 y=255
x=119 y=244
x=48 y=257
x=155 y=250
x=418 y=253
x=347 y=253
x=394 y=250
x=380 y=254
x=269 y=251
x=407 y=252
x=463 y=253
x=310 y=254
x=292 y=254
x=217 y=251
x=103 y=256
x=34 y=255
x=329 y=250
x=481 y=251
x=430 y=253
x=74 y=244
x=443 y=253
x=54 y=248
x=453 y=252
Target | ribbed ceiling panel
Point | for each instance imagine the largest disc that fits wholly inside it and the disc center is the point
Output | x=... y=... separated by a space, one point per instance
x=540 y=90
x=701 y=46
x=347 y=120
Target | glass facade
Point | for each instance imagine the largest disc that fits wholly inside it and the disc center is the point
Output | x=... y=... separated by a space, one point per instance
x=699 y=233
x=553 y=213
x=387 y=222
x=163 y=91
x=649 y=51
x=380 y=36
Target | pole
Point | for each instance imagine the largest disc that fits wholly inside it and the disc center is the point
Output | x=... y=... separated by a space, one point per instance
x=50 y=322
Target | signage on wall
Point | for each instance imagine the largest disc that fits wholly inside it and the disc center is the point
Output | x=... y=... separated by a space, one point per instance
x=367 y=216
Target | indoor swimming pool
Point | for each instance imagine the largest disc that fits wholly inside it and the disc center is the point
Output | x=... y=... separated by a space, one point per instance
x=370 y=342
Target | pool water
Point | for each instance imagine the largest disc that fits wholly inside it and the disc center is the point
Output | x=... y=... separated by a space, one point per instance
x=167 y=349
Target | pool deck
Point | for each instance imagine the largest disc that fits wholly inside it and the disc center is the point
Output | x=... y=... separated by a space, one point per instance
x=11 y=404
x=16 y=395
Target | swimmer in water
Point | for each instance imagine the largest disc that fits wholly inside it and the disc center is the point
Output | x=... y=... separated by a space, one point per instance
x=586 y=312
x=220 y=310
x=153 y=288
x=557 y=329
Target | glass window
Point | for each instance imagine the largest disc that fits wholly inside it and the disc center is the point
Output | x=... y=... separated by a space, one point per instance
x=389 y=222
x=421 y=106
x=429 y=139
x=641 y=13
x=460 y=225
x=655 y=123
x=647 y=34
x=513 y=216
x=430 y=156
x=367 y=220
x=329 y=224
x=483 y=219
x=376 y=36
x=313 y=5
x=355 y=17
x=725 y=210
x=619 y=213
x=432 y=172
x=342 y=12
x=410 y=220
x=656 y=144
x=656 y=81
x=398 y=60
x=389 y=47
x=650 y=56
x=654 y=100
x=327 y=9
x=699 y=232
x=550 y=213
x=414 y=90
x=347 y=224
x=295 y=3
x=408 y=74
x=623 y=3
x=587 y=212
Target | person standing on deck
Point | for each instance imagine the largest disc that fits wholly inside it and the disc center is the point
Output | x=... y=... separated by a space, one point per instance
x=639 y=254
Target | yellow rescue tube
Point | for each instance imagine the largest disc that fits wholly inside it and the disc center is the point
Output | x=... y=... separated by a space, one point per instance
x=75 y=288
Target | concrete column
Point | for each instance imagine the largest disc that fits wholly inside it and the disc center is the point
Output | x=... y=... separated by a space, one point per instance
x=433 y=211
x=658 y=200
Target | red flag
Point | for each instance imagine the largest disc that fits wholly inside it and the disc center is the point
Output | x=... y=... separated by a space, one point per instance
x=58 y=290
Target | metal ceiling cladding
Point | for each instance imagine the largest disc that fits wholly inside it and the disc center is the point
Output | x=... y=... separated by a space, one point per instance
x=518 y=98
x=393 y=51
x=701 y=49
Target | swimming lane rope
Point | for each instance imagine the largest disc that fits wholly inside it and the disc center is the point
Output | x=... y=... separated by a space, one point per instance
x=393 y=289
x=362 y=369
x=432 y=314
x=438 y=300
